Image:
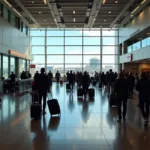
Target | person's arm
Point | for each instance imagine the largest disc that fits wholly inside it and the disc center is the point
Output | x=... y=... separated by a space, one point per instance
x=115 y=86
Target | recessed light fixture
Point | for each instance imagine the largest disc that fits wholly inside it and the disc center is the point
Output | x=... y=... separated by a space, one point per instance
x=109 y=12
x=104 y=1
x=100 y=26
x=32 y=2
x=105 y=20
x=44 y=19
x=74 y=19
x=39 y=12
x=116 y=2
x=74 y=12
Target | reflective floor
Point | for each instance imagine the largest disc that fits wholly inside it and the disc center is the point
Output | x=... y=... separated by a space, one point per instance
x=83 y=125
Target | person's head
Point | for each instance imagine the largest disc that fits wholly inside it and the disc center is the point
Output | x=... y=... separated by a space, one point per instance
x=42 y=70
x=144 y=75
x=121 y=75
x=37 y=72
x=71 y=71
x=57 y=71
x=85 y=73
x=50 y=71
x=110 y=70
x=12 y=73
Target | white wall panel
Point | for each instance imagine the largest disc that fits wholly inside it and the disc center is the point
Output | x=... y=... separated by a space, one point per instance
x=12 y=38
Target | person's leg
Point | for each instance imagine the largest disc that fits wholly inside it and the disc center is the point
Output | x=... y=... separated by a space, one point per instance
x=124 y=108
x=119 y=109
x=40 y=98
x=44 y=103
x=147 y=109
x=142 y=107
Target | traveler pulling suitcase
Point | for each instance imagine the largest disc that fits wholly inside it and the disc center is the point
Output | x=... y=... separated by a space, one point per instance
x=53 y=106
x=91 y=93
x=80 y=92
x=35 y=109
x=113 y=100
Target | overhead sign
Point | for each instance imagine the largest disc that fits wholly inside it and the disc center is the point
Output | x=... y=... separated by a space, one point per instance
x=14 y=53
x=32 y=66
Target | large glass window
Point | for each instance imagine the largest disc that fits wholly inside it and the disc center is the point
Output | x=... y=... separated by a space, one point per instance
x=13 y=19
x=73 y=40
x=12 y=64
x=77 y=50
x=22 y=65
x=91 y=40
x=55 y=41
x=38 y=50
x=5 y=67
x=38 y=41
x=5 y=13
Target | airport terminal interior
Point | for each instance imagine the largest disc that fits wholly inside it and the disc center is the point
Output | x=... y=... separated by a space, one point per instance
x=92 y=36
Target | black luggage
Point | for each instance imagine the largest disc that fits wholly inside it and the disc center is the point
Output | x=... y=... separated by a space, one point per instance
x=113 y=100
x=35 y=109
x=80 y=92
x=94 y=83
x=67 y=86
x=91 y=93
x=53 y=106
x=100 y=85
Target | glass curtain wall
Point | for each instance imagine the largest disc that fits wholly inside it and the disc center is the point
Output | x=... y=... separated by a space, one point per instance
x=77 y=50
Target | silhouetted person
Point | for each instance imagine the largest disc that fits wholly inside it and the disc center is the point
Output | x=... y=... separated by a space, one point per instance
x=143 y=87
x=67 y=74
x=12 y=77
x=36 y=75
x=121 y=90
x=50 y=76
x=42 y=85
x=71 y=81
x=23 y=75
x=57 y=76
x=85 y=83
x=131 y=82
x=28 y=75
x=110 y=81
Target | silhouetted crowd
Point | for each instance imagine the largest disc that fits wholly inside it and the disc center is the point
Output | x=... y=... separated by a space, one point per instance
x=120 y=87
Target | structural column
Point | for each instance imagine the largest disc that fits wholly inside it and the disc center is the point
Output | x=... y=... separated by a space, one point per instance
x=101 y=50
x=46 y=49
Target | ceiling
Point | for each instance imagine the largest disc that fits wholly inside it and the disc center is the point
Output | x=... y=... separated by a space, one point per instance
x=75 y=13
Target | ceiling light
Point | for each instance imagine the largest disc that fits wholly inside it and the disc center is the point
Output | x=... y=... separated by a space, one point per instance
x=17 y=12
x=39 y=12
x=100 y=26
x=44 y=19
x=7 y=3
x=109 y=12
x=104 y=1
x=35 y=25
x=74 y=12
x=49 y=26
x=32 y=2
x=116 y=2
x=148 y=33
x=143 y=2
x=74 y=19
x=44 y=1
x=105 y=20
x=55 y=20
x=135 y=9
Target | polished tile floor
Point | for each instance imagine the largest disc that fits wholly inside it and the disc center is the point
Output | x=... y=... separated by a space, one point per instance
x=83 y=125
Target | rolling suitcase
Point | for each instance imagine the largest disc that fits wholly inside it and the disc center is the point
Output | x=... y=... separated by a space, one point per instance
x=91 y=93
x=80 y=92
x=53 y=107
x=35 y=109
x=67 y=86
x=113 y=100
x=61 y=82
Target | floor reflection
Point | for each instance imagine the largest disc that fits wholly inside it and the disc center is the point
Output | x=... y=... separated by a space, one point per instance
x=83 y=124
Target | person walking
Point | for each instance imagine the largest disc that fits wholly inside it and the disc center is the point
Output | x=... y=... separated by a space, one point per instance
x=42 y=84
x=85 y=83
x=57 y=76
x=121 y=89
x=50 y=76
x=131 y=81
x=143 y=87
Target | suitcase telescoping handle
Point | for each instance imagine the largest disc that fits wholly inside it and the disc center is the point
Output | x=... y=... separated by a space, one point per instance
x=50 y=94
x=33 y=94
